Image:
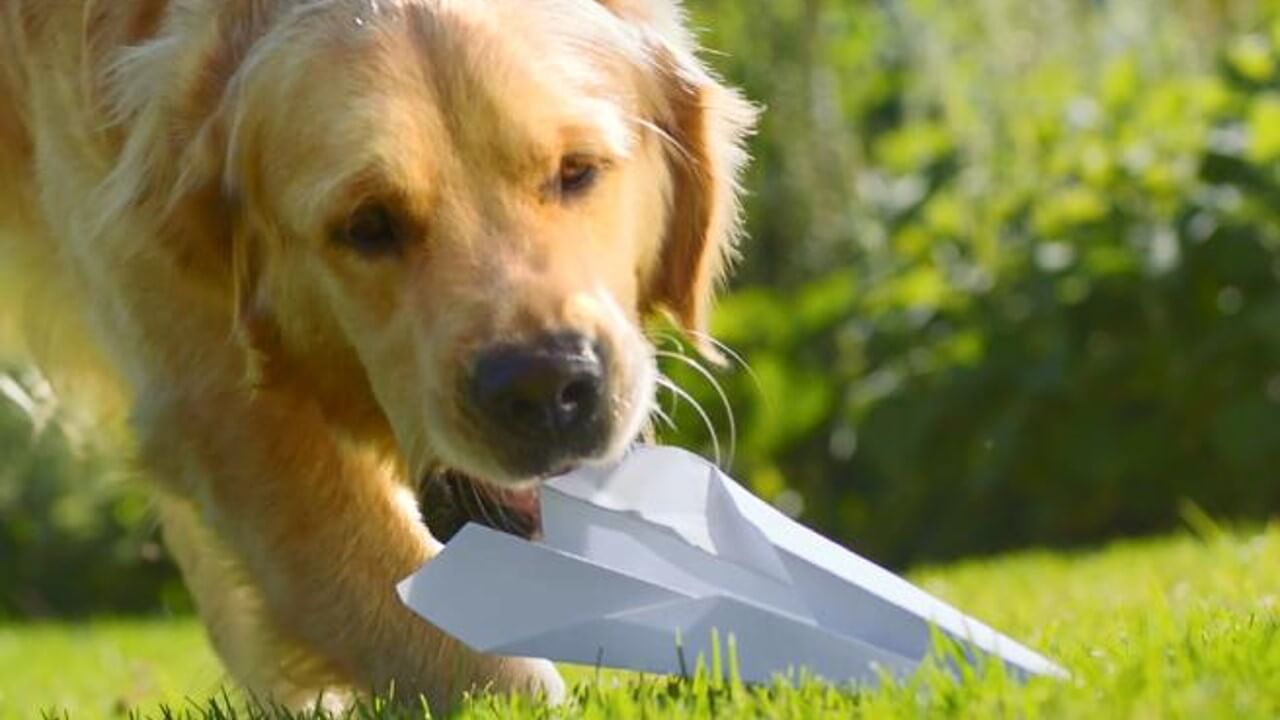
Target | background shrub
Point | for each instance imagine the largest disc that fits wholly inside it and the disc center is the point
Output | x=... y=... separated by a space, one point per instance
x=75 y=537
x=1013 y=276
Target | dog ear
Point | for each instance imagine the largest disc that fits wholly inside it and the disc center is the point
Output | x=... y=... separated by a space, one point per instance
x=702 y=124
x=704 y=127
x=254 y=327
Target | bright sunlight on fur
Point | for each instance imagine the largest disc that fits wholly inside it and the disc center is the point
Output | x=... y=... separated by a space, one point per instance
x=326 y=248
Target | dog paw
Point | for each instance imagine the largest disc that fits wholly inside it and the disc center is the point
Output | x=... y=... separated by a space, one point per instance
x=525 y=676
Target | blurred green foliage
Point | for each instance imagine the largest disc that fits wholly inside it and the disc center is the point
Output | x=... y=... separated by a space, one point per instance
x=1014 y=268
x=1013 y=278
x=75 y=537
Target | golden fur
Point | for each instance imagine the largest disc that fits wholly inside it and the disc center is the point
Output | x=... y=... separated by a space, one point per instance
x=171 y=174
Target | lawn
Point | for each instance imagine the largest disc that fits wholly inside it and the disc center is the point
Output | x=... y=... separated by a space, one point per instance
x=1181 y=627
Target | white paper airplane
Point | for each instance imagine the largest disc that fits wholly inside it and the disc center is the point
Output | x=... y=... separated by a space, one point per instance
x=642 y=564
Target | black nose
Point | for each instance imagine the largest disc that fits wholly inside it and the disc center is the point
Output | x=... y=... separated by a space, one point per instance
x=550 y=392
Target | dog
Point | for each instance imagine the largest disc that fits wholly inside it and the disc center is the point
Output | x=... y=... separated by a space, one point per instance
x=320 y=249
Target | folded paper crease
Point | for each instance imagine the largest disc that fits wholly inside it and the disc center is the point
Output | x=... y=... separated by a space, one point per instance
x=665 y=546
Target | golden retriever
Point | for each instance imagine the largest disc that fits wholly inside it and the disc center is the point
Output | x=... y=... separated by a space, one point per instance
x=323 y=248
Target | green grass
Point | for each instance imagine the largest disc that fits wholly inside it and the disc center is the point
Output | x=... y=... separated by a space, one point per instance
x=98 y=669
x=1184 y=627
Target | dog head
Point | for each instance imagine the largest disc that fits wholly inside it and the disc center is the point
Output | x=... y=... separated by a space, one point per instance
x=460 y=215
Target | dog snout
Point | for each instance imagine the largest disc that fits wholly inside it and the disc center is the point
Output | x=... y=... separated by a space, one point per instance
x=547 y=397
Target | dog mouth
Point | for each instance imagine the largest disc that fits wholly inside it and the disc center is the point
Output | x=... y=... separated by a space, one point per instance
x=449 y=499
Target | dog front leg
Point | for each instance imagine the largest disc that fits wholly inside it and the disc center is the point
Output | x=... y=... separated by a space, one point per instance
x=324 y=531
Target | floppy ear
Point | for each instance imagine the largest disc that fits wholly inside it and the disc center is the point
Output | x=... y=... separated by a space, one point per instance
x=255 y=328
x=703 y=124
x=182 y=145
x=222 y=181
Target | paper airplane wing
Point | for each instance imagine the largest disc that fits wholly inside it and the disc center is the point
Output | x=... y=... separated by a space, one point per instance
x=854 y=596
x=504 y=589
x=567 y=609
x=666 y=546
x=753 y=552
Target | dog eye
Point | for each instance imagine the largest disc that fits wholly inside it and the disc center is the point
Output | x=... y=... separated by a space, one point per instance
x=577 y=175
x=373 y=230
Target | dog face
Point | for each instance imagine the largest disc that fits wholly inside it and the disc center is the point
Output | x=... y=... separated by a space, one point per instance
x=468 y=210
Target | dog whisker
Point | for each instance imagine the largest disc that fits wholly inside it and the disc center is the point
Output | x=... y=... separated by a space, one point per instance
x=482 y=506
x=679 y=346
x=664 y=417
x=666 y=138
x=715 y=384
x=500 y=509
x=729 y=352
x=680 y=392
